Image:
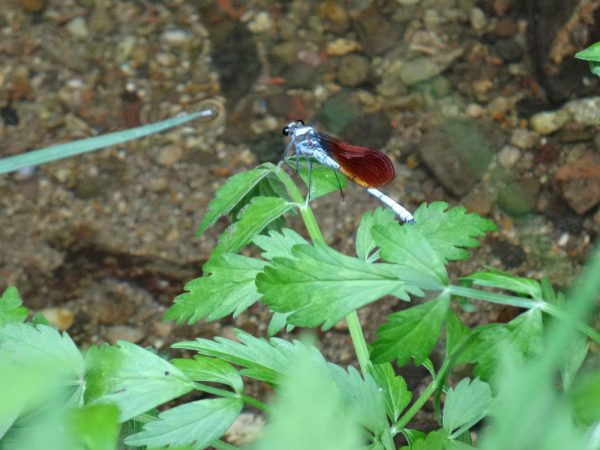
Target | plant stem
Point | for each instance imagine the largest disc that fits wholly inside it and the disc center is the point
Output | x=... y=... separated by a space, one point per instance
x=416 y=406
x=356 y=333
x=228 y=394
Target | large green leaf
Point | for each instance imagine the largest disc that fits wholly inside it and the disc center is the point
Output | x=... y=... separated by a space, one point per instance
x=465 y=405
x=198 y=423
x=231 y=193
x=449 y=232
x=524 y=335
x=133 y=378
x=396 y=393
x=11 y=310
x=320 y=285
x=226 y=287
x=95 y=427
x=411 y=333
x=253 y=218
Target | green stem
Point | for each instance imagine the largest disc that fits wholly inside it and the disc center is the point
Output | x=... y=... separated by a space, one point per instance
x=416 y=406
x=581 y=326
x=228 y=394
x=356 y=333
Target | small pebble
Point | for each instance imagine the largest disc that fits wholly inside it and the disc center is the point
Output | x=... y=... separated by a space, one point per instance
x=585 y=111
x=245 y=429
x=60 y=318
x=353 y=70
x=261 y=23
x=524 y=139
x=548 y=122
x=33 y=6
x=506 y=28
x=508 y=156
x=341 y=47
x=169 y=156
x=123 y=332
x=475 y=110
x=78 y=28
x=478 y=19
x=177 y=37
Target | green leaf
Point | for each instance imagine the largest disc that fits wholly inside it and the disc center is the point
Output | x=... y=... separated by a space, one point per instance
x=523 y=334
x=439 y=440
x=11 y=310
x=278 y=244
x=133 y=378
x=362 y=397
x=456 y=332
x=265 y=360
x=226 y=287
x=95 y=427
x=324 y=180
x=572 y=359
x=501 y=280
x=406 y=245
x=592 y=53
x=465 y=405
x=309 y=412
x=253 y=218
x=320 y=285
x=232 y=192
x=584 y=399
x=450 y=232
x=411 y=333
x=396 y=393
x=277 y=323
x=365 y=243
x=212 y=370
x=199 y=423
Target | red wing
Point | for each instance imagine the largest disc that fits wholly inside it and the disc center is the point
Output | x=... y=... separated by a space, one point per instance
x=365 y=166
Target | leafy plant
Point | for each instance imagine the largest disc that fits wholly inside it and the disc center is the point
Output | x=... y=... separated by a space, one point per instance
x=306 y=283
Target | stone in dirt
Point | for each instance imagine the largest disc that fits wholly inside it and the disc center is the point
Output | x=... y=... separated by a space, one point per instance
x=580 y=183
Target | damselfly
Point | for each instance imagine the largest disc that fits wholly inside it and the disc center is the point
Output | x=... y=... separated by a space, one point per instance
x=365 y=166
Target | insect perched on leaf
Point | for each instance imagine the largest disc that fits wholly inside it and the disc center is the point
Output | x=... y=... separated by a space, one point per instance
x=365 y=166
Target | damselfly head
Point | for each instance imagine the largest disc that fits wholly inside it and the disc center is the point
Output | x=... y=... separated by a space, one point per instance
x=289 y=129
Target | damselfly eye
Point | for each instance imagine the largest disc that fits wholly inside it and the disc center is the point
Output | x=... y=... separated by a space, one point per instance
x=285 y=131
x=301 y=122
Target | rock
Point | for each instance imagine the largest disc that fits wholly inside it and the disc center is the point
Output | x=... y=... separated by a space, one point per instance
x=585 y=111
x=519 y=198
x=342 y=46
x=508 y=156
x=261 y=23
x=101 y=20
x=59 y=318
x=548 y=122
x=245 y=429
x=123 y=332
x=77 y=27
x=524 y=139
x=580 y=182
x=391 y=84
x=424 y=68
x=353 y=70
x=33 y=6
x=478 y=19
x=506 y=28
x=479 y=201
x=170 y=155
x=458 y=153
x=375 y=33
x=177 y=37
x=508 y=49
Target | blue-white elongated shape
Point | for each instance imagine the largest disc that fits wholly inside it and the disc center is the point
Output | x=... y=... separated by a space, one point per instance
x=365 y=166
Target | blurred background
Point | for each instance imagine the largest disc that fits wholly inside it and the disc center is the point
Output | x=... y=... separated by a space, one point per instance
x=478 y=102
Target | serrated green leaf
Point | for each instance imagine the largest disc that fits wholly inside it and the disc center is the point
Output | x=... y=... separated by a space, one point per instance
x=411 y=333
x=465 y=405
x=406 y=245
x=278 y=244
x=523 y=334
x=501 y=280
x=396 y=393
x=95 y=427
x=362 y=396
x=212 y=370
x=456 y=332
x=11 y=310
x=133 y=378
x=365 y=243
x=265 y=360
x=450 y=232
x=438 y=440
x=592 y=53
x=320 y=285
x=198 y=423
x=226 y=287
x=572 y=359
x=309 y=412
x=253 y=218
x=232 y=192
x=277 y=323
